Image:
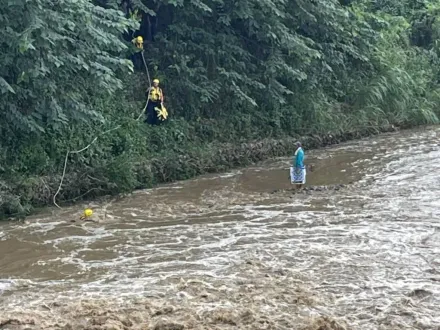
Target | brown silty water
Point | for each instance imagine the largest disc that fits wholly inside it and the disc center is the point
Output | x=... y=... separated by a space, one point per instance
x=241 y=251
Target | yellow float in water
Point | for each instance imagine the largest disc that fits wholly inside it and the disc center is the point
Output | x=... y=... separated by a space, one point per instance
x=87 y=214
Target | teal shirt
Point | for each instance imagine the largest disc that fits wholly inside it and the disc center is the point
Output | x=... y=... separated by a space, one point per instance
x=298 y=160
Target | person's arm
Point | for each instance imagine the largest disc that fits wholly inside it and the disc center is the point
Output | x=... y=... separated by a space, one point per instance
x=161 y=96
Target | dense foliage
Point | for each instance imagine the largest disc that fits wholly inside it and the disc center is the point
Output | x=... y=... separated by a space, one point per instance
x=231 y=70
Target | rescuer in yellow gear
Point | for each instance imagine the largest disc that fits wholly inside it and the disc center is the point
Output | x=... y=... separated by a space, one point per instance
x=156 y=111
x=138 y=42
x=155 y=92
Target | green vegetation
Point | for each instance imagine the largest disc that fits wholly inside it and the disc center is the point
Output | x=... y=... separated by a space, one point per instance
x=233 y=73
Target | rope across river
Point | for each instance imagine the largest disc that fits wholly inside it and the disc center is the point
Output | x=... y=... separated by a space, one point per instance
x=71 y=152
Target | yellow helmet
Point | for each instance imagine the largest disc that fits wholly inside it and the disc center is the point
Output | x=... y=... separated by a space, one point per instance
x=140 y=39
x=88 y=213
x=156 y=81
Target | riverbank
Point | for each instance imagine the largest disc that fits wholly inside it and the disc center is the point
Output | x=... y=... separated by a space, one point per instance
x=21 y=197
x=230 y=103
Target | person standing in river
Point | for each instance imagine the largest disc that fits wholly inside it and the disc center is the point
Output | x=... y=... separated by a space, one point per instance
x=298 y=170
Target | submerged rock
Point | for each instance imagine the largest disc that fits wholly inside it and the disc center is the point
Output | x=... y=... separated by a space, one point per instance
x=166 y=325
x=420 y=293
x=309 y=189
x=324 y=323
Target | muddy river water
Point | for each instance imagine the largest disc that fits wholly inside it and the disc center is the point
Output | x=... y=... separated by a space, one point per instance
x=241 y=251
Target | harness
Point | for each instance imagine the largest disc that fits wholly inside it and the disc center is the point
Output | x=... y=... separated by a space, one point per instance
x=155 y=94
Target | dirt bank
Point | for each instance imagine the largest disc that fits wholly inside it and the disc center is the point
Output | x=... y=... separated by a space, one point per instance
x=18 y=197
